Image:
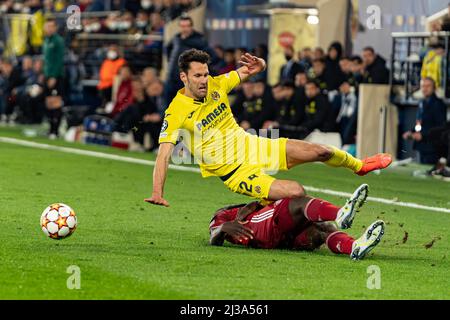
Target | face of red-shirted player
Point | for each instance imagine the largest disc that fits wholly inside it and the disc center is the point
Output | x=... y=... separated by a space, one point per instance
x=196 y=80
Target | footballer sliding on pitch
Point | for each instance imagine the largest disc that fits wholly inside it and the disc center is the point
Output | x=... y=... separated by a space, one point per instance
x=201 y=113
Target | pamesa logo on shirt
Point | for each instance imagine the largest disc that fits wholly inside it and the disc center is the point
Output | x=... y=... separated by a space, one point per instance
x=212 y=116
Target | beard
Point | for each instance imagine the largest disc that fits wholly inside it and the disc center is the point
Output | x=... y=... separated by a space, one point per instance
x=197 y=92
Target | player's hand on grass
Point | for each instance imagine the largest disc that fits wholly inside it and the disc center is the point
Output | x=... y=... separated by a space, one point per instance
x=253 y=64
x=157 y=200
x=237 y=230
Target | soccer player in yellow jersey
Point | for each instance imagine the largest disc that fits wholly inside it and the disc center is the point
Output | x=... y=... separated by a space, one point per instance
x=201 y=114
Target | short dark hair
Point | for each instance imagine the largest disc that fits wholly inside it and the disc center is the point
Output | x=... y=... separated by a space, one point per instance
x=313 y=82
x=192 y=55
x=431 y=80
x=321 y=60
x=371 y=49
x=356 y=59
x=187 y=18
x=51 y=20
x=287 y=84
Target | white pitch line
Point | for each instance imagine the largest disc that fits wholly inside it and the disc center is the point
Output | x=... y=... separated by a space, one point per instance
x=196 y=170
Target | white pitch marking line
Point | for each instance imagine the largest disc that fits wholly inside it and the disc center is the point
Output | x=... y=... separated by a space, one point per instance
x=196 y=170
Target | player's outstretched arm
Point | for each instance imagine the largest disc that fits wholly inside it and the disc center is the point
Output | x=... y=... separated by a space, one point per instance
x=251 y=65
x=160 y=174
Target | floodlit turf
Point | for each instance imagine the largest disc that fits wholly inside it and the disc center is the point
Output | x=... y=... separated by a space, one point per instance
x=127 y=249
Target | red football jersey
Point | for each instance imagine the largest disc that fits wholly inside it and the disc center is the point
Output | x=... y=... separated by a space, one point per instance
x=269 y=224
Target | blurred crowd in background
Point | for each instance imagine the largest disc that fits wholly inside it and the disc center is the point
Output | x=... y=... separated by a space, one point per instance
x=318 y=88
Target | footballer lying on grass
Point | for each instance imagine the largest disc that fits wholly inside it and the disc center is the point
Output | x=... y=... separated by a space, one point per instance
x=201 y=114
x=299 y=224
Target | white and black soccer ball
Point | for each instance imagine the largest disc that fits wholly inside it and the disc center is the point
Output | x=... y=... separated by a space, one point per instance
x=58 y=221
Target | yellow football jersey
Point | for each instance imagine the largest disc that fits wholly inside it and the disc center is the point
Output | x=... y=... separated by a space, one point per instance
x=208 y=128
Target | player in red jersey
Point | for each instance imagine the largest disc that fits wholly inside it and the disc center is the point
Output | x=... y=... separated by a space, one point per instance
x=299 y=223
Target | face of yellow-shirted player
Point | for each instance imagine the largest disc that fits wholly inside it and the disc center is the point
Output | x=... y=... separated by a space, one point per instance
x=196 y=80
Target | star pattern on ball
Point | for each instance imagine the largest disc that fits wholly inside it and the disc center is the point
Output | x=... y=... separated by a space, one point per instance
x=62 y=222
x=55 y=225
x=55 y=207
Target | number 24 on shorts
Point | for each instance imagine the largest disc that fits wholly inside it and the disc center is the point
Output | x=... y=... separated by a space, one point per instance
x=245 y=186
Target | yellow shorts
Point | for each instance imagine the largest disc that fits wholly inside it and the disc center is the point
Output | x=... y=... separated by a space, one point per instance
x=253 y=179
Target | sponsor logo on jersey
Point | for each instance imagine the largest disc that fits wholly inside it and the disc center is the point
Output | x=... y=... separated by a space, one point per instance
x=211 y=116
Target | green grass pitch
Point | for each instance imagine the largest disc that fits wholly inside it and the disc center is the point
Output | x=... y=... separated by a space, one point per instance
x=127 y=249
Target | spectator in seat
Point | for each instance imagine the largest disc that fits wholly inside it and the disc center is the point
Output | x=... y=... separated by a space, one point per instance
x=220 y=63
x=333 y=73
x=16 y=78
x=156 y=26
x=259 y=108
x=186 y=39
x=154 y=92
x=12 y=78
x=156 y=23
x=432 y=64
x=230 y=62
x=291 y=68
x=301 y=79
x=346 y=106
x=432 y=113
x=318 y=53
x=124 y=97
x=318 y=75
x=142 y=22
x=140 y=117
x=305 y=58
x=357 y=68
x=148 y=76
x=346 y=66
x=31 y=97
x=244 y=105
x=289 y=114
x=317 y=109
x=108 y=71
x=375 y=71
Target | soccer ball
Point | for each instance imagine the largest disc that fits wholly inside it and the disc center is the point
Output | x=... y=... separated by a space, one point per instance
x=58 y=221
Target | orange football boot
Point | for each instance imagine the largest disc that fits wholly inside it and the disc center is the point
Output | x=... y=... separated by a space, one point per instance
x=376 y=162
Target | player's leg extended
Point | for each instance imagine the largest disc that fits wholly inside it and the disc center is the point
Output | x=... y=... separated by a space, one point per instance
x=313 y=236
x=299 y=152
x=306 y=208
x=341 y=243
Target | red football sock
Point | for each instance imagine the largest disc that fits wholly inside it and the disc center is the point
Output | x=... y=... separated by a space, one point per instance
x=319 y=210
x=340 y=242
